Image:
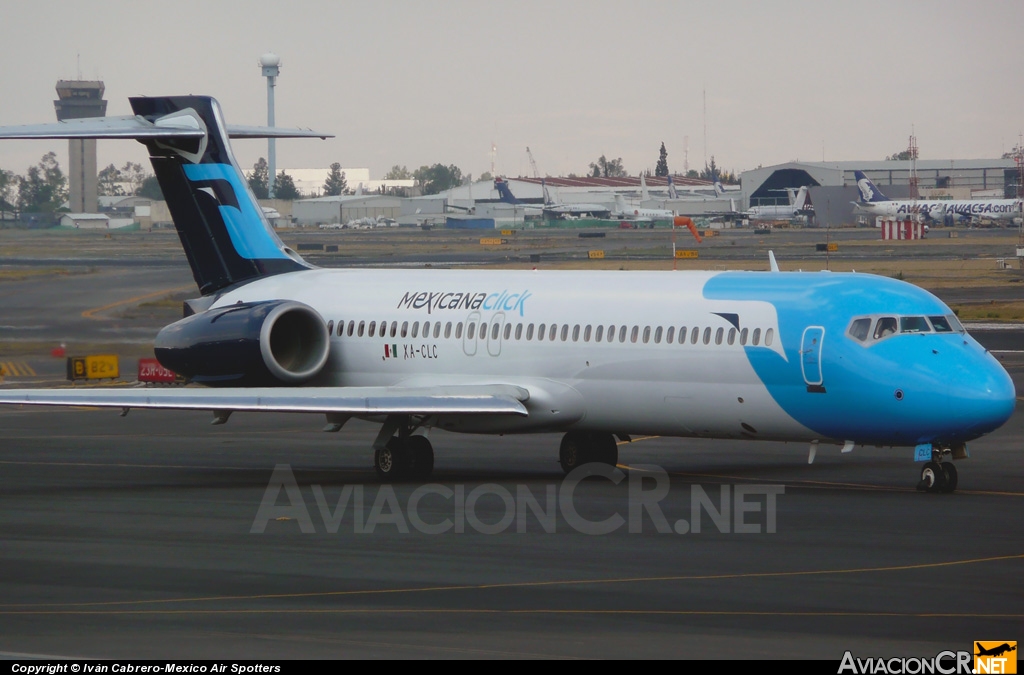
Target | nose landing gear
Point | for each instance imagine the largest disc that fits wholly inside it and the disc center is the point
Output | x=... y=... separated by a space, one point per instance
x=581 y=447
x=937 y=475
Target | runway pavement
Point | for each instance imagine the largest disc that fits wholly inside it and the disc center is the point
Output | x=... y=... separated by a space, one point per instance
x=133 y=538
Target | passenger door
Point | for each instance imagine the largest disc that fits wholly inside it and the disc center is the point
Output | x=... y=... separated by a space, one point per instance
x=810 y=358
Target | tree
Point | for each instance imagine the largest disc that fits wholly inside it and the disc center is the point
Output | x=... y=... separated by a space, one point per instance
x=486 y=175
x=284 y=187
x=607 y=168
x=259 y=179
x=44 y=187
x=151 y=189
x=661 y=170
x=133 y=174
x=335 y=184
x=108 y=182
x=8 y=181
x=437 y=178
x=398 y=173
x=898 y=156
x=710 y=171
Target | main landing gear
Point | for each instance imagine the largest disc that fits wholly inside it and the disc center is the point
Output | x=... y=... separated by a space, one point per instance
x=398 y=455
x=583 y=447
x=937 y=475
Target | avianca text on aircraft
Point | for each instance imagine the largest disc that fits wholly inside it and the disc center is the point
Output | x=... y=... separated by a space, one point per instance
x=845 y=359
x=871 y=201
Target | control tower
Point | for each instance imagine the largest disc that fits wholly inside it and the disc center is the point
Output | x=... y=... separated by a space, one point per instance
x=78 y=99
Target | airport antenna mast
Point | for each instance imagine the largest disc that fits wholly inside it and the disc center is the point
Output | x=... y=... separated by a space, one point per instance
x=912 y=152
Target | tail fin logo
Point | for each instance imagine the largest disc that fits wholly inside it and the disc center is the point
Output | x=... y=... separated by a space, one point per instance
x=866 y=193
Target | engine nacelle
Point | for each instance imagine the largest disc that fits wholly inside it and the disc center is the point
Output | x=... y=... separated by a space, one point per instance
x=277 y=342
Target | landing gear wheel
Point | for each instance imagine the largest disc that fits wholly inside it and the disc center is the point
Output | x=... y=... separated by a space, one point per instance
x=572 y=453
x=392 y=461
x=421 y=456
x=950 y=476
x=932 y=478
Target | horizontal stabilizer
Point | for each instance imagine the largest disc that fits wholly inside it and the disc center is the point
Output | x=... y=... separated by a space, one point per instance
x=139 y=128
x=441 y=400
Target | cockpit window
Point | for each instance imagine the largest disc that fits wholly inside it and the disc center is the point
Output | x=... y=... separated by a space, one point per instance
x=914 y=324
x=940 y=324
x=860 y=328
x=885 y=327
x=955 y=323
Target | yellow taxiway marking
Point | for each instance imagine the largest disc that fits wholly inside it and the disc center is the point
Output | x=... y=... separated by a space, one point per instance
x=90 y=313
x=637 y=440
x=5 y=608
x=16 y=369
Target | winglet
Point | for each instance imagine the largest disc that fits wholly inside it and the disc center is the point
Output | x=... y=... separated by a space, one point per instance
x=771 y=261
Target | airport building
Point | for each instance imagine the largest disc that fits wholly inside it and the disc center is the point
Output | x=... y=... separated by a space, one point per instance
x=834 y=188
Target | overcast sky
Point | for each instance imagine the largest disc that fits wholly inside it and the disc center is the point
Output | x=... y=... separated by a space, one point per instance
x=412 y=82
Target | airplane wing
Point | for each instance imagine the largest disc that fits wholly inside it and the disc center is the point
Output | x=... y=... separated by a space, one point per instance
x=135 y=126
x=494 y=399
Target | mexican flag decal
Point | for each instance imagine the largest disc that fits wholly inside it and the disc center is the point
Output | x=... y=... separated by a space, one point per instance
x=390 y=351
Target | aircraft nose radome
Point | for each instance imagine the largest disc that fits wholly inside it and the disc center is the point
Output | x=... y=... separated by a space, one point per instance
x=986 y=401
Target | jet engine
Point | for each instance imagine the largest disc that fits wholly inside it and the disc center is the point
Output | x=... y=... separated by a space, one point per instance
x=277 y=342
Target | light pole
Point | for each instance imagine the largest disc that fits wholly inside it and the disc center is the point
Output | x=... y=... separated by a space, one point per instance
x=271 y=65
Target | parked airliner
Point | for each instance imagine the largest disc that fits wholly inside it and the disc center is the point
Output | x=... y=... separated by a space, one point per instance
x=813 y=357
x=800 y=206
x=872 y=202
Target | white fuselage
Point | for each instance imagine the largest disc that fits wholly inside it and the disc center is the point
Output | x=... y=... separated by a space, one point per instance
x=481 y=327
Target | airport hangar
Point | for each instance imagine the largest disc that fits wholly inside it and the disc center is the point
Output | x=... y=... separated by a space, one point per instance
x=834 y=188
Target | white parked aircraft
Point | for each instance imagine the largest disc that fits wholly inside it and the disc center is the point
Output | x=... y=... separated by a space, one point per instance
x=800 y=206
x=845 y=359
x=872 y=202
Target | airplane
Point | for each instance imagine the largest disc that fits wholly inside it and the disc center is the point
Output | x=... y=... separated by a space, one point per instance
x=813 y=357
x=635 y=213
x=995 y=651
x=801 y=206
x=558 y=210
x=872 y=202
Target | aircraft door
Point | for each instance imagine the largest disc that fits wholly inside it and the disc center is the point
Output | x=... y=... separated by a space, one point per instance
x=494 y=334
x=469 y=336
x=810 y=358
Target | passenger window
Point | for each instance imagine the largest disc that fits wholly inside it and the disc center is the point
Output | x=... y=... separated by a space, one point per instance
x=519 y=331
x=914 y=324
x=330 y=327
x=743 y=336
x=576 y=333
x=769 y=337
x=508 y=330
x=657 y=335
x=940 y=324
x=647 y=334
x=732 y=336
x=599 y=333
x=483 y=331
x=885 y=327
x=634 y=334
x=611 y=334
x=529 y=332
x=552 y=332
x=362 y=325
x=495 y=328
x=373 y=325
x=471 y=331
x=415 y=329
x=586 y=333
x=458 y=331
x=755 y=339
x=707 y=335
x=565 y=332
x=693 y=335
x=448 y=330
x=426 y=329
x=859 y=329
x=405 y=329
x=437 y=329
x=718 y=336
x=622 y=333
x=394 y=329
x=351 y=327
x=541 y=329
x=670 y=334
